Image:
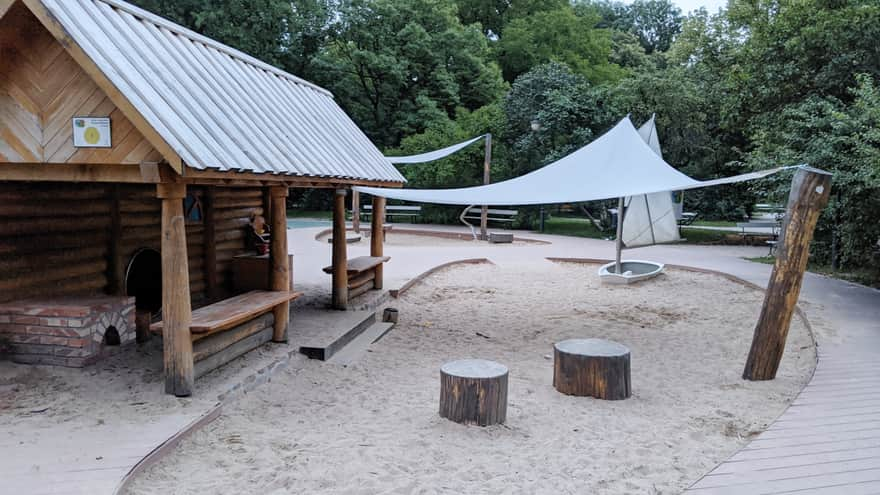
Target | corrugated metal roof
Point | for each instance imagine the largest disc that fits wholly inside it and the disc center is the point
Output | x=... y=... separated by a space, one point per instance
x=219 y=108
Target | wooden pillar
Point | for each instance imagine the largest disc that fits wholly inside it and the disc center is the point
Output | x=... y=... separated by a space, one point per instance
x=176 y=306
x=356 y=211
x=210 y=243
x=809 y=194
x=279 y=259
x=377 y=237
x=484 y=211
x=340 y=257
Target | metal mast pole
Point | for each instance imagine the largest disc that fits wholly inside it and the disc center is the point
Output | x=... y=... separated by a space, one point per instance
x=484 y=212
x=619 y=242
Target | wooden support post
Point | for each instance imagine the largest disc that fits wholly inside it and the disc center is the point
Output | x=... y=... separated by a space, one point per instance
x=279 y=259
x=116 y=266
x=210 y=244
x=340 y=257
x=356 y=211
x=176 y=305
x=484 y=211
x=377 y=237
x=809 y=194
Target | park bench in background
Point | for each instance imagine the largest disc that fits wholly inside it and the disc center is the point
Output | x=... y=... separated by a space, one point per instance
x=473 y=212
x=391 y=211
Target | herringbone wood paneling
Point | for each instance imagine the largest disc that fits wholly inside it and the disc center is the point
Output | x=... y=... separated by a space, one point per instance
x=41 y=89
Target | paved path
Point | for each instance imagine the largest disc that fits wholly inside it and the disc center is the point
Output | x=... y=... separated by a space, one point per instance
x=827 y=442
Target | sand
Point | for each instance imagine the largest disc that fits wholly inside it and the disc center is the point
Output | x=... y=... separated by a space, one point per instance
x=373 y=427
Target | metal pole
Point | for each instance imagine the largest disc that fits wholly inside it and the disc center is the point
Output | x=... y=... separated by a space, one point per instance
x=542 y=219
x=484 y=212
x=619 y=242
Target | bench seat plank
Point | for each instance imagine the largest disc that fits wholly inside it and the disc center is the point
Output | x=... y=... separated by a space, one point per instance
x=361 y=264
x=234 y=311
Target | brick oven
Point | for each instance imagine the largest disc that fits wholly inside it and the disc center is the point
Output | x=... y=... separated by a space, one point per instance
x=71 y=331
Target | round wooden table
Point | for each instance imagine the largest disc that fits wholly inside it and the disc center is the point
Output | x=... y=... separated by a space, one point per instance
x=474 y=391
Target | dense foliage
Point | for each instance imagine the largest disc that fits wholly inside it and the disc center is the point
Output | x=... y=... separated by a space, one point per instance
x=761 y=83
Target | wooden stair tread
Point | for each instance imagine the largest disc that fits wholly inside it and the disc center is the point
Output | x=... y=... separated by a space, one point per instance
x=361 y=264
x=234 y=311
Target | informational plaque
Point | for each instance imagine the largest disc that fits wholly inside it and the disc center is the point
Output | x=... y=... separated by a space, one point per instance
x=91 y=132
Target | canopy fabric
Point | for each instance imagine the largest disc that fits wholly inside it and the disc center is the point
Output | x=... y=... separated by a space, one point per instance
x=617 y=164
x=649 y=218
x=433 y=155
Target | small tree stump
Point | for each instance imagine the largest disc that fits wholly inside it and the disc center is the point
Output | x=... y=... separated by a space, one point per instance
x=592 y=367
x=473 y=391
x=390 y=315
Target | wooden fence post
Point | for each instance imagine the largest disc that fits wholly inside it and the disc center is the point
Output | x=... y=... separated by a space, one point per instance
x=176 y=305
x=340 y=256
x=809 y=194
x=279 y=260
x=377 y=237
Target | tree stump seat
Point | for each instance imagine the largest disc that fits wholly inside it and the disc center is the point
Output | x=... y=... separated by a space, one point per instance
x=592 y=367
x=474 y=391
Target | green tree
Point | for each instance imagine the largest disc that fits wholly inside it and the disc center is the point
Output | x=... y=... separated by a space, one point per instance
x=493 y=15
x=558 y=35
x=655 y=22
x=398 y=66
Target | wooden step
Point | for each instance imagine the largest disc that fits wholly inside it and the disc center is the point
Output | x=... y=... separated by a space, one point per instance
x=355 y=350
x=320 y=334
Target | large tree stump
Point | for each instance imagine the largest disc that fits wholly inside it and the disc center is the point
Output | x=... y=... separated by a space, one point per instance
x=592 y=367
x=473 y=391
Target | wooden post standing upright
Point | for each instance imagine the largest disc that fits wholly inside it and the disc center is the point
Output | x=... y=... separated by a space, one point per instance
x=340 y=257
x=810 y=189
x=484 y=211
x=279 y=278
x=176 y=306
x=377 y=237
x=356 y=211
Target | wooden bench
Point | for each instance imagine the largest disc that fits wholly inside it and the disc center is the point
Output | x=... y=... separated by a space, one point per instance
x=225 y=330
x=474 y=212
x=361 y=272
x=232 y=312
x=774 y=227
x=391 y=211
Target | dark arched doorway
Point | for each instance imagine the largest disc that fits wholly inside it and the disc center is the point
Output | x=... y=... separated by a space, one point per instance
x=143 y=281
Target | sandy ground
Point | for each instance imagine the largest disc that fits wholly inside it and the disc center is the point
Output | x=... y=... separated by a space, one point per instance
x=373 y=427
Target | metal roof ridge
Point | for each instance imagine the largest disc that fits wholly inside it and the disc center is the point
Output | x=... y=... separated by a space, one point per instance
x=209 y=42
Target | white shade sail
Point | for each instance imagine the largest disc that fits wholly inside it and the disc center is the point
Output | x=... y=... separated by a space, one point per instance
x=650 y=218
x=433 y=155
x=618 y=163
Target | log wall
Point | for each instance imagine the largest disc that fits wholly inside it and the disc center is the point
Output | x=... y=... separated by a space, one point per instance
x=56 y=239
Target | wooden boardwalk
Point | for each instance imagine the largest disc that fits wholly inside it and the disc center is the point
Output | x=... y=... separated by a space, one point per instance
x=827 y=442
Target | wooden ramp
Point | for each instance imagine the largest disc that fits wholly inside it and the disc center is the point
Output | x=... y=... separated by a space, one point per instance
x=827 y=442
x=322 y=333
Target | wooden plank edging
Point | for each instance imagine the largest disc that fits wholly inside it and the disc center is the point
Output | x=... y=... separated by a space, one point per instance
x=422 y=276
x=166 y=448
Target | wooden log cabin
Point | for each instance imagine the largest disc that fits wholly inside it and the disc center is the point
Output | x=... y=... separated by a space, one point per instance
x=134 y=153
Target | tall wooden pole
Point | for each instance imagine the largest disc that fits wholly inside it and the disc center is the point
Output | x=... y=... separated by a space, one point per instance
x=210 y=243
x=340 y=257
x=356 y=211
x=279 y=260
x=377 y=237
x=809 y=194
x=484 y=211
x=176 y=306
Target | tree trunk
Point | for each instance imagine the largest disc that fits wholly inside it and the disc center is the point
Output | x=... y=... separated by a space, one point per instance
x=810 y=189
x=377 y=238
x=592 y=367
x=176 y=306
x=279 y=279
x=340 y=256
x=474 y=391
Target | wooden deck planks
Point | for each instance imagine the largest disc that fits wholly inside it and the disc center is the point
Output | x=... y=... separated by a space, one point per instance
x=827 y=442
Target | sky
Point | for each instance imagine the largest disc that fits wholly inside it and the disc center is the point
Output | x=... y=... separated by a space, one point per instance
x=688 y=5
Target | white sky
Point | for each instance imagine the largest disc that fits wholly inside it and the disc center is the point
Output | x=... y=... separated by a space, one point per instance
x=686 y=6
